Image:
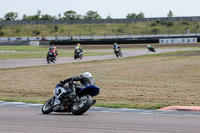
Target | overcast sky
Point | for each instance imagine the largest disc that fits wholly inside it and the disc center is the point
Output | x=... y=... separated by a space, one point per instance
x=113 y=8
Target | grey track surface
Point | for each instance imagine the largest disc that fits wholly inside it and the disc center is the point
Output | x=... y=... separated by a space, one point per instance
x=60 y=60
x=23 y=119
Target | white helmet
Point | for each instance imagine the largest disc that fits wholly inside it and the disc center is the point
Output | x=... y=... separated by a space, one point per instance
x=87 y=75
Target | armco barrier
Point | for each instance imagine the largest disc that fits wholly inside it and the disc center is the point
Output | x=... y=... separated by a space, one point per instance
x=14 y=43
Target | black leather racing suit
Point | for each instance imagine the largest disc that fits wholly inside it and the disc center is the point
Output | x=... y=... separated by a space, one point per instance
x=85 y=81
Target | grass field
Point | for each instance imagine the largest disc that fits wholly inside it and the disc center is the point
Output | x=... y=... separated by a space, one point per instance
x=135 y=28
x=149 y=82
x=25 y=52
x=27 y=55
x=23 y=48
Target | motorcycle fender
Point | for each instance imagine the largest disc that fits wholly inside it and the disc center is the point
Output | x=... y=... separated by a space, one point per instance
x=59 y=90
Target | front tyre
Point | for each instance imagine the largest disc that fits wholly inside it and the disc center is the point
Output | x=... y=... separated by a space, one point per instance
x=83 y=105
x=116 y=53
x=80 y=56
x=48 y=106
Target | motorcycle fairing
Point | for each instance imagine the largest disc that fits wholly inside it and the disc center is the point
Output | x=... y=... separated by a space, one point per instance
x=91 y=90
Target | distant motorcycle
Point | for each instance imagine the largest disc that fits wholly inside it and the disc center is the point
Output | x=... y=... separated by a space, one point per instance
x=118 y=52
x=51 y=57
x=152 y=49
x=84 y=99
x=78 y=54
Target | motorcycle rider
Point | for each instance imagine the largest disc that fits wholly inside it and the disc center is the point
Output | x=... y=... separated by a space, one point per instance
x=150 y=47
x=78 y=47
x=117 y=50
x=85 y=79
x=53 y=50
x=116 y=46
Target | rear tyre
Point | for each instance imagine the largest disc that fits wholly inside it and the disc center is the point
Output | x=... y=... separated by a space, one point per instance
x=48 y=106
x=85 y=103
x=75 y=57
x=48 y=59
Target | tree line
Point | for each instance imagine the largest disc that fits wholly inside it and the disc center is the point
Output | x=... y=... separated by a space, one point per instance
x=68 y=15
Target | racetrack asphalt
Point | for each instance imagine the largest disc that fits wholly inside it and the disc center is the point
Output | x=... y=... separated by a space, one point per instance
x=60 y=60
x=23 y=118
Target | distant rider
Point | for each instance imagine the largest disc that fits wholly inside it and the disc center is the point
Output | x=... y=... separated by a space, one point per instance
x=150 y=48
x=53 y=50
x=116 y=46
x=78 y=47
x=85 y=79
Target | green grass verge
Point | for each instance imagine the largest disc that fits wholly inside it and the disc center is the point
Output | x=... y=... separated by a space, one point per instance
x=158 y=106
x=21 y=100
x=177 y=53
x=23 y=48
x=28 y=55
x=136 y=106
x=156 y=27
x=28 y=48
x=23 y=55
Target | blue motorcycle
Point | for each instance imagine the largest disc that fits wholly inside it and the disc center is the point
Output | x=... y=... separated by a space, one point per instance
x=84 y=99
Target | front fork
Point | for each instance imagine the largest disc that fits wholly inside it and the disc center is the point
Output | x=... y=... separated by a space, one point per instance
x=72 y=87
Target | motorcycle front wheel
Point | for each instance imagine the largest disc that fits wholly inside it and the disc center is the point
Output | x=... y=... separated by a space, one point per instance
x=117 y=55
x=48 y=106
x=81 y=56
x=83 y=105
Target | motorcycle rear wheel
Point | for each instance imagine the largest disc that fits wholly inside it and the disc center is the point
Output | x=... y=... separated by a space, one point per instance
x=48 y=59
x=85 y=103
x=48 y=106
x=75 y=57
